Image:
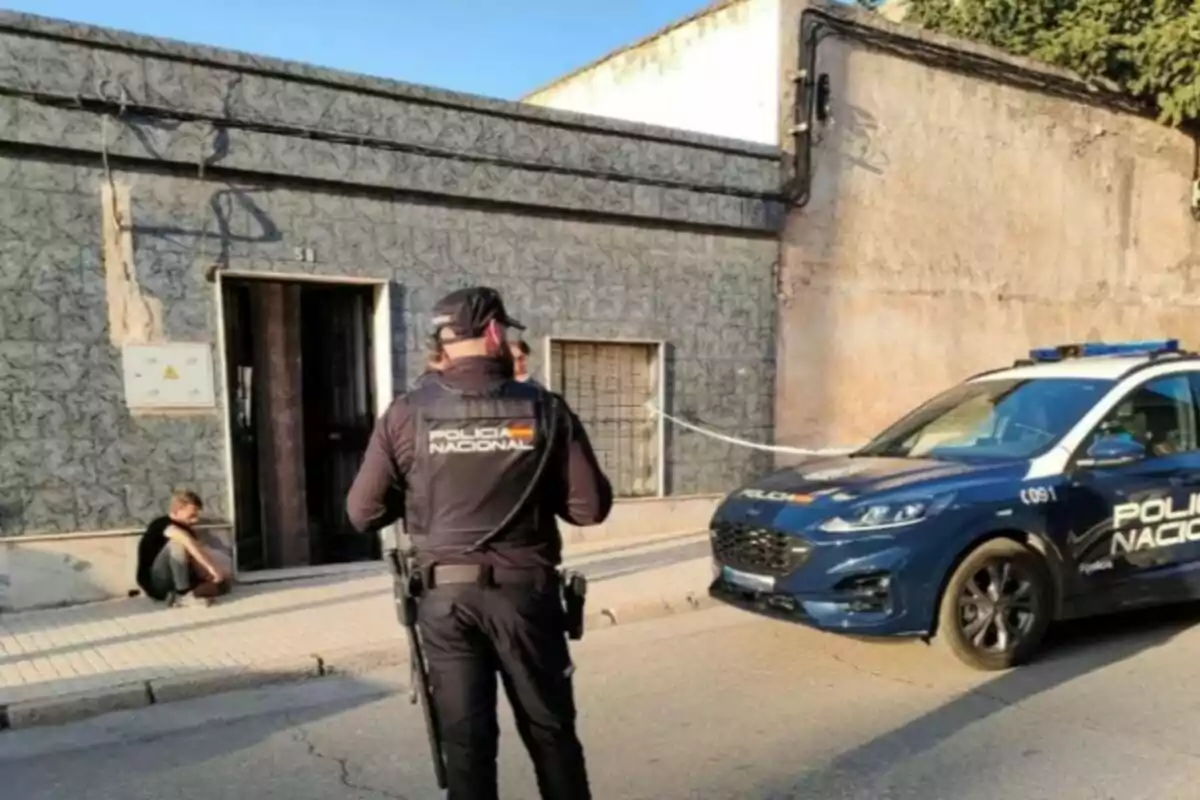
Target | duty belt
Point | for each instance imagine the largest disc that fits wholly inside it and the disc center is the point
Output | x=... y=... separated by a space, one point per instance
x=486 y=575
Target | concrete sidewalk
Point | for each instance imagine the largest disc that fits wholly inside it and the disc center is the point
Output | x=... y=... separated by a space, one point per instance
x=64 y=664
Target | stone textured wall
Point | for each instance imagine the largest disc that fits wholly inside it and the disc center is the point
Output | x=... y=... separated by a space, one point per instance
x=218 y=160
x=955 y=221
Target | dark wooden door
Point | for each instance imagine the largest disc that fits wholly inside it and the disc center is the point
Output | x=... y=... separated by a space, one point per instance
x=339 y=413
x=239 y=382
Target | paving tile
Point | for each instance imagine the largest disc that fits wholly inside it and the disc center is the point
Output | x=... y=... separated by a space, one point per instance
x=46 y=654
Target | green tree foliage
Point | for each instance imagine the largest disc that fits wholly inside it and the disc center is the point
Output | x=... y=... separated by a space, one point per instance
x=1149 y=49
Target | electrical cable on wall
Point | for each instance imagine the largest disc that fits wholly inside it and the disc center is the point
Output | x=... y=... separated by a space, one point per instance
x=150 y=111
x=202 y=201
x=122 y=101
x=817 y=24
x=721 y=437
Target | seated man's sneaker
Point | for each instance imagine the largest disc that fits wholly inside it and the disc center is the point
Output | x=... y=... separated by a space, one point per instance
x=176 y=600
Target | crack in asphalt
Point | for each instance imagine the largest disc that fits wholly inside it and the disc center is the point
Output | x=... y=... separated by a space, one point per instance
x=301 y=737
x=883 y=676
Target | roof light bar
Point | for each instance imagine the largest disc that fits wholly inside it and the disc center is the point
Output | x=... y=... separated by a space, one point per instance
x=1092 y=349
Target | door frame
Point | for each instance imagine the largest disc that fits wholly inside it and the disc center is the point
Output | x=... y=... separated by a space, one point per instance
x=383 y=389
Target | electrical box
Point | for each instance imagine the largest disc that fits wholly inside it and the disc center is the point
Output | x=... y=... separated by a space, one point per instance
x=177 y=375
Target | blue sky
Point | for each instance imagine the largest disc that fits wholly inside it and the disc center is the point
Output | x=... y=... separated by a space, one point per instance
x=490 y=47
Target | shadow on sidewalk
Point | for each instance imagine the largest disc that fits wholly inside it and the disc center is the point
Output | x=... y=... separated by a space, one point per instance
x=192 y=625
x=1073 y=650
x=135 y=604
x=56 y=624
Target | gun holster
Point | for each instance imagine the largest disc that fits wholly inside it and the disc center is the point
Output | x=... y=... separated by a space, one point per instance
x=406 y=587
x=574 y=592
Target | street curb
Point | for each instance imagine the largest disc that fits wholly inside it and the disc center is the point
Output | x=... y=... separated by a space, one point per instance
x=366 y=658
x=647 y=610
x=357 y=660
x=203 y=684
x=75 y=706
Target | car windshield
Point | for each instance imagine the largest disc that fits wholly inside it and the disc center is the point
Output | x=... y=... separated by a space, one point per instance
x=991 y=419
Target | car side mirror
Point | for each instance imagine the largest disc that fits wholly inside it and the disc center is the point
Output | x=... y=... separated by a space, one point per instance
x=1110 y=450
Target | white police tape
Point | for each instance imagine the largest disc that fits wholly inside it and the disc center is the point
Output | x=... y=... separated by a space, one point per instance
x=772 y=448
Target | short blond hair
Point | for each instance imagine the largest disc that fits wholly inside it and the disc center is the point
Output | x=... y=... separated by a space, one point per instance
x=185 y=498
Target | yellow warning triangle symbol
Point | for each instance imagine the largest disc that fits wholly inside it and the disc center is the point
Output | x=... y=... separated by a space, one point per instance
x=169 y=374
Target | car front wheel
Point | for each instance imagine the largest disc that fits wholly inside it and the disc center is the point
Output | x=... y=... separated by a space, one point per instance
x=996 y=606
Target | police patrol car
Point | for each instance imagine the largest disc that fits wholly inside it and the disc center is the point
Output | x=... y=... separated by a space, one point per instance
x=1064 y=486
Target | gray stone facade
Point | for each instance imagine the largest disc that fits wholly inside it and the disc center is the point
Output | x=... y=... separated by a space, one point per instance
x=589 y=227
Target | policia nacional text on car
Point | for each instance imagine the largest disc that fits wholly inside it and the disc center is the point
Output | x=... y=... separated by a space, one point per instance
x=454 y=458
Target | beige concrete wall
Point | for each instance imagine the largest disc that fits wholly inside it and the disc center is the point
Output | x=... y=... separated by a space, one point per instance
x=955 y=222
x=43 y=571
x=647 y=519
x=714 y=73
x=726 y=71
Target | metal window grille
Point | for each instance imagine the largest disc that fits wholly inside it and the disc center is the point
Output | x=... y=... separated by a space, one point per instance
x=607 y=385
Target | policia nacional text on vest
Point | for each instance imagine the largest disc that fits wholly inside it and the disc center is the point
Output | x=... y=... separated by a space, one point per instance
x=472 y=454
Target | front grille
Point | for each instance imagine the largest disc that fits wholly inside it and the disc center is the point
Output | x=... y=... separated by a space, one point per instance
x=758 y=550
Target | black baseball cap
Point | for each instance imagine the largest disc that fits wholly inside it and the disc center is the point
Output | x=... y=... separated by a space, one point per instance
x=467 y=312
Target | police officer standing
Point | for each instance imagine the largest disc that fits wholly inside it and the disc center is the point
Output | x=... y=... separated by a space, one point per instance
x=454 y=458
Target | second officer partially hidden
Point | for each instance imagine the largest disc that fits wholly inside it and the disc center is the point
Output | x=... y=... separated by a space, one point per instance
x=454 y=458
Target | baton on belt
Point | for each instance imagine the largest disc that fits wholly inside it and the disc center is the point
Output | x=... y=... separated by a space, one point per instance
x=406 y=588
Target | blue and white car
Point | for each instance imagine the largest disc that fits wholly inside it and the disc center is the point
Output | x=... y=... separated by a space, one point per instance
x=1064 y=486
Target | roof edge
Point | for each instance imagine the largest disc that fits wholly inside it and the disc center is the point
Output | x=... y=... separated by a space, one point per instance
x=706 y=11
x=23 y=24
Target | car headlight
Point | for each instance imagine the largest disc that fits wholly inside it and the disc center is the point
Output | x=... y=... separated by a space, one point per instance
x=879 y=516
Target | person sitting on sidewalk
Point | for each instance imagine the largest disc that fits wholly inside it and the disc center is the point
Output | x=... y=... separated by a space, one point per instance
x=173 y=565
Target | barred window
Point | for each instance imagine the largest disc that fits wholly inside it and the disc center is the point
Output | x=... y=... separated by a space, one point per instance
x=608 y=384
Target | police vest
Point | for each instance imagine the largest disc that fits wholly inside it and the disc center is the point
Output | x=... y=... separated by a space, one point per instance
x=475 y=455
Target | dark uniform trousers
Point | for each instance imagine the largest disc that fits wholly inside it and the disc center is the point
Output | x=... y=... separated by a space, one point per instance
x=514 y=627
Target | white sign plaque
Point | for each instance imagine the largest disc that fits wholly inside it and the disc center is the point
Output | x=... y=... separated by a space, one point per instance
x=175 y=375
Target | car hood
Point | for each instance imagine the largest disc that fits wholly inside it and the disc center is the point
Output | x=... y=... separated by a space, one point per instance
x=819 y=487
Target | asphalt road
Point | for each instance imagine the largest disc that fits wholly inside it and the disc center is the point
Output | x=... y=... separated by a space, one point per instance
x=714 y=704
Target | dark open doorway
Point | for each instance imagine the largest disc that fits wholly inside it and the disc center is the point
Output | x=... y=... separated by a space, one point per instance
x=302 y=406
